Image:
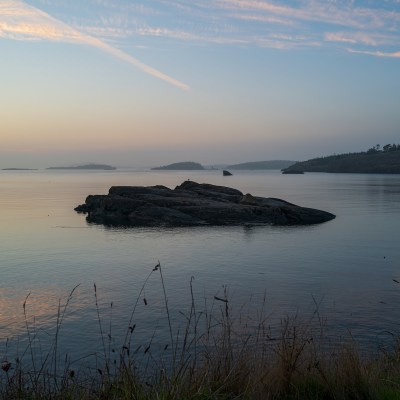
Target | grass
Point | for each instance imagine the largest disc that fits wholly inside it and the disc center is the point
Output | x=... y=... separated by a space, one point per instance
x=214 y=353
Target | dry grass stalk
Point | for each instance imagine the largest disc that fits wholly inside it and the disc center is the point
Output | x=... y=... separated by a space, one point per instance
x=217 y=354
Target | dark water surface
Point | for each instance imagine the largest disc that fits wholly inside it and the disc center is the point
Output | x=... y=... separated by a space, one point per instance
x=347 y=265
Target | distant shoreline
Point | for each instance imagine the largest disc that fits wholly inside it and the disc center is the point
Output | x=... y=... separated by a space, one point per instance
x=372 y=161
x=102 y=167
x=19 y=169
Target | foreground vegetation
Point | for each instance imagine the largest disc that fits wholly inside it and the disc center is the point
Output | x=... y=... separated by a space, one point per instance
x=216 y=354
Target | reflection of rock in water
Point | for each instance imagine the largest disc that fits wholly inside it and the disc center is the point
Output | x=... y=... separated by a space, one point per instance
x=292 y=171
x=193 y=204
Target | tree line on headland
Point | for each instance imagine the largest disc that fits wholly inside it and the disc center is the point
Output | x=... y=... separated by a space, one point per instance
x=378 y=159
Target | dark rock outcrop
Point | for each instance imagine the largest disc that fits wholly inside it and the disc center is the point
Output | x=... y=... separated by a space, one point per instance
x=193 y=204
x=226 y=173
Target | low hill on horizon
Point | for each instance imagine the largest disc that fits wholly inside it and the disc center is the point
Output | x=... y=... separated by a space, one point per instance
x=259 y=165
x=373 y=161
x=19 y=169
x=88 y=167
x=182 y=166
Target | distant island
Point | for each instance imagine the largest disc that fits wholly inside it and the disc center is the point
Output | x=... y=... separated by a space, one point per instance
x=259 y=165
x=183 y=166
x=376 y=160
x=19 y=169
x=88 y=167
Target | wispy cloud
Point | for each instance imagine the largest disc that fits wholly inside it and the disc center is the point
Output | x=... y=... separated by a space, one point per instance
x=268 y=19
x=280 y=24
x=20 y=21
x=363 y=38
x=334 y=13
x=376 y=53
x=188 y=36
x=369 y=27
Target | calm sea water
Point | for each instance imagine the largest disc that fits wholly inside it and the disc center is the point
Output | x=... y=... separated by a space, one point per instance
x=347 y=266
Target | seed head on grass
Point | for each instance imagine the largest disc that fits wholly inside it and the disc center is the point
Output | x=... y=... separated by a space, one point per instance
x=5 y=366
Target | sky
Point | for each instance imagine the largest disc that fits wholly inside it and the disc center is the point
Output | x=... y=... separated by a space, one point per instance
x=146 y=83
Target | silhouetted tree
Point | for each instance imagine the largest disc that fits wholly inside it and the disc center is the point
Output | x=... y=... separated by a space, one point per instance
x=372 y=150
x=387 y=147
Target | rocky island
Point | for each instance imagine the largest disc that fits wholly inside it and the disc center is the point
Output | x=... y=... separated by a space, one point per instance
x=193 y=204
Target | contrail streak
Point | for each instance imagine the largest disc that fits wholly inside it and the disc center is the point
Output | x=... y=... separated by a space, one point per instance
x=20 y=21
x=132 y=60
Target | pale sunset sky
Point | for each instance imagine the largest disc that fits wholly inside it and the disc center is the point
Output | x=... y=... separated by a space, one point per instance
x=146 y=83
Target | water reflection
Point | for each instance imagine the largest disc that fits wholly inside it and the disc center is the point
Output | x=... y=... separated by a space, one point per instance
x=39 y=308
x=349 y=262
